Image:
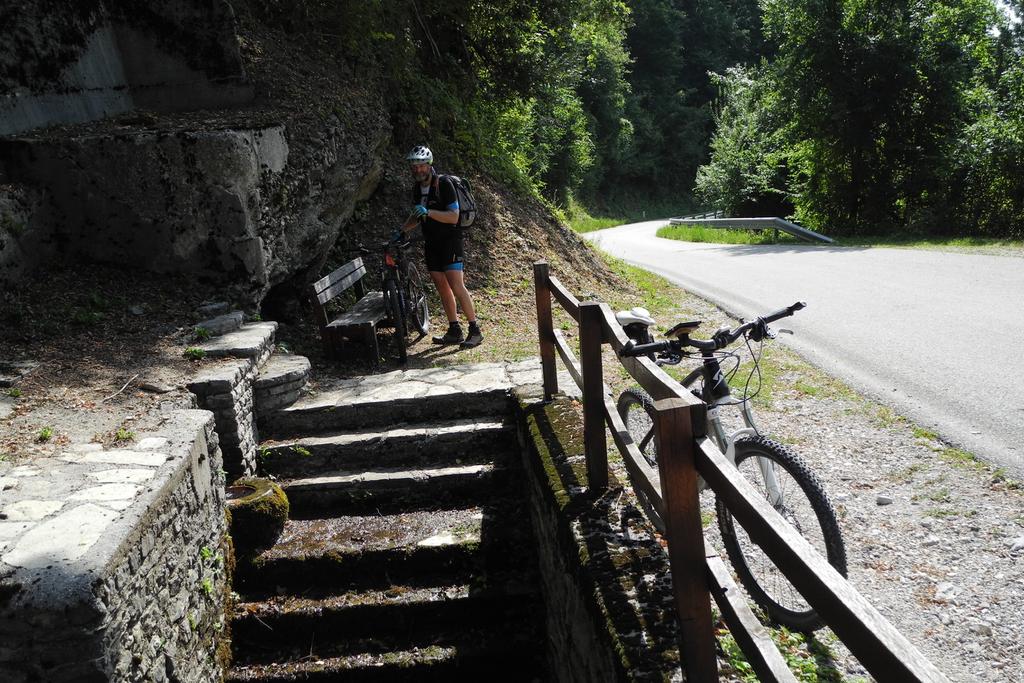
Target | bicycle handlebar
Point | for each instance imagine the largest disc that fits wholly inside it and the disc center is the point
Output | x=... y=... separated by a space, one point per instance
x=757 y=327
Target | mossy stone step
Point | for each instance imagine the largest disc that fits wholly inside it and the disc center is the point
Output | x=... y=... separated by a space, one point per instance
x=497 y=655
x=455 y=442
x=392 y=489
x=328 y=556
x=399 y=618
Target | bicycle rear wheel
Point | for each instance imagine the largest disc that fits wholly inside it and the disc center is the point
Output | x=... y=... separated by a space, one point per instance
x=805 y=506
x=636 y=408
x=396 y=311
x=416 y=300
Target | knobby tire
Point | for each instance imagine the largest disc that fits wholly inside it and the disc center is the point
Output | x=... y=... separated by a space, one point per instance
x=806 y=507
x=416 y=301
x=396 y=312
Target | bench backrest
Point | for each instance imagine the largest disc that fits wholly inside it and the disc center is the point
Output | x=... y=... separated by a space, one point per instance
x=339 y=280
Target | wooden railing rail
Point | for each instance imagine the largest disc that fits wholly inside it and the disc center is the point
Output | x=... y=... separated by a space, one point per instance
x=673 y=506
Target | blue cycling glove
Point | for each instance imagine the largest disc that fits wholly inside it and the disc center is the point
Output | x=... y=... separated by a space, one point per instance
x=419 y=210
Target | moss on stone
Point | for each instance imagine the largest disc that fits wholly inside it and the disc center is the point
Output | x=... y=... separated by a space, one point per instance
x=258 y=518
x=222 y=653
x=631 y=617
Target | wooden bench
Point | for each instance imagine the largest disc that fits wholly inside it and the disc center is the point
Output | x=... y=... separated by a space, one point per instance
x=358 y=323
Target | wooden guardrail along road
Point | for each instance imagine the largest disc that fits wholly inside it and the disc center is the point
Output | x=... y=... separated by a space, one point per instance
x=669 y=495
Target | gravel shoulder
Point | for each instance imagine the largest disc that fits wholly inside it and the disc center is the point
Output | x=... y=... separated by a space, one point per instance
x=934 y=538
x=934 y=541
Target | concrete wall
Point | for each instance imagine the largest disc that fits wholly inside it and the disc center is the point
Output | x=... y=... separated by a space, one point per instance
x=111 y=560
x=100 y=59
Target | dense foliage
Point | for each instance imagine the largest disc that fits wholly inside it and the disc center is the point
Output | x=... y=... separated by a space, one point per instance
x=877 y=117
x=855 y=116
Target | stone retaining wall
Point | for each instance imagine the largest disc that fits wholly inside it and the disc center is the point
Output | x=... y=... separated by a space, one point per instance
x=605 y=578
x=111 y=560
x=227 y=391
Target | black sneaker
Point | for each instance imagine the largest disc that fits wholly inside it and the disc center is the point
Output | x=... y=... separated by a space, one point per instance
x=474 y=338
x=452 y=336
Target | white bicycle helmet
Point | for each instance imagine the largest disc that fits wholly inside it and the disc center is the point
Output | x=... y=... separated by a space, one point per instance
x=420 y=155
x=636 y=315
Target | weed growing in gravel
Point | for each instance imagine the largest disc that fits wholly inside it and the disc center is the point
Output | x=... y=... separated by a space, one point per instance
x=45 y=434
x=938 y=496
x=960 y=458
x=907 y=473
x=123 y=434
x=1000 y=478
x=207 y=588
x=14 y=392
x=922 y=433
x=194 y=353
x=806 y=388
x=201 y=333
x=886 y=417
x=941 y=513
x=299 y=450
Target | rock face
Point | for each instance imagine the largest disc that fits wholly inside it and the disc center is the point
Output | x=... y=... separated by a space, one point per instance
x=183 y=201
x=250 y=198
x=23 y=238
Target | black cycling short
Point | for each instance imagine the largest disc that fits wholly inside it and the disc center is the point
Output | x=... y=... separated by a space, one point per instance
x=444 y=254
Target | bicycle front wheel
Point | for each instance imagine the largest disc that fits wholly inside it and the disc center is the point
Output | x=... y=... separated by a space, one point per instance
x=636 y=408
x=798 y=496
x=396 y=311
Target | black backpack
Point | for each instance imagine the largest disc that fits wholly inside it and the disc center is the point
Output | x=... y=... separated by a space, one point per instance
x=467 y=204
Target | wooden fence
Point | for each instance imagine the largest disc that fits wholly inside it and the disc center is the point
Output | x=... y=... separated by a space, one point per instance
x=684 y=451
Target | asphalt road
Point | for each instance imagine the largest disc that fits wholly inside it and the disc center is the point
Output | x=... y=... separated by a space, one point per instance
x=939 y=336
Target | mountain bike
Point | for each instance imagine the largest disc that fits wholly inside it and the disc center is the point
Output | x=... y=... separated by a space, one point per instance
x=405 y=301
x=779 y=474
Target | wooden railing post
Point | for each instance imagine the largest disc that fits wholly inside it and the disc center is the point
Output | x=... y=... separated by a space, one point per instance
x=595 y=441
x=545 y=329
x=676 y=448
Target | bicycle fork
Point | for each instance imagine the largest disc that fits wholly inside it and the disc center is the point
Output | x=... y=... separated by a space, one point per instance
x=727 y=442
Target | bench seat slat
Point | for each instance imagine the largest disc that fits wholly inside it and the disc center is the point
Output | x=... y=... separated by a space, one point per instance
x=369 y=309
x=335 y=288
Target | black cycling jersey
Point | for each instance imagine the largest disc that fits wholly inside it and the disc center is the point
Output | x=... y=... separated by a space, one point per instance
x=441 y=196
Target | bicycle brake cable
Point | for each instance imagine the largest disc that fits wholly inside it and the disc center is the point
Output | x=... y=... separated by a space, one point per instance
x=756 y=359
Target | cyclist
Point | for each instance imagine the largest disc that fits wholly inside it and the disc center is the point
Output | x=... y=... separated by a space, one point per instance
x=436 y=206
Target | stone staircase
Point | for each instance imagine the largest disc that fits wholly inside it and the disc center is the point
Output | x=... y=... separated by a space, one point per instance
x=409 y=553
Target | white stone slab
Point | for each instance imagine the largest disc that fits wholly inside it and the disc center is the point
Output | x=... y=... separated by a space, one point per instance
x=105 y=492
x=438 y=540
x=126 y=475
x=85 y=447
x=64 y=538
x=31 y=510
x=151 y=443
x=11 y=530
x=125 y=457
x=115 y=504
x=25 y=471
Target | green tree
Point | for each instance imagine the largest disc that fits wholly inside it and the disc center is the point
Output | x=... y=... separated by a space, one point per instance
x=877 y=93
